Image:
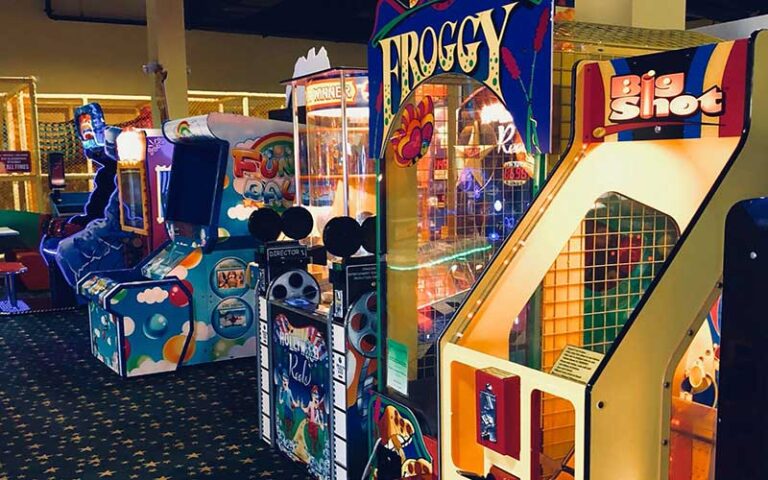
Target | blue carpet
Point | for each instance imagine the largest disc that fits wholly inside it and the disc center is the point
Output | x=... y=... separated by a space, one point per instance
x=64 y=415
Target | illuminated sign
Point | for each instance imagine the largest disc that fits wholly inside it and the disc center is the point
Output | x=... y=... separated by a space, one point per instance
x=327 y=93
x=650 y=96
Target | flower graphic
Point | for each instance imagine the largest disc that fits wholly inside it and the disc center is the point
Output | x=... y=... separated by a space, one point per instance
x=411 y=141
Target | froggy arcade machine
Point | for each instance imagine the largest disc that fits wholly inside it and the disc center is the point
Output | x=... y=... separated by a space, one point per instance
x=462 y=116
x=190 y=301
x=625 y=245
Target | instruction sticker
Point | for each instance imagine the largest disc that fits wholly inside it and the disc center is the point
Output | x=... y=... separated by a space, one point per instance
x=397 y=367
x=577 y=364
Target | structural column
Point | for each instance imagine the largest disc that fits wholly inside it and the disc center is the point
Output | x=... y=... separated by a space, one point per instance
x=660 y=14
x=167 y=46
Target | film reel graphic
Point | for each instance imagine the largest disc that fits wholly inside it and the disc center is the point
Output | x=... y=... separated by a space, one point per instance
x=362 y=333
x=295 y=285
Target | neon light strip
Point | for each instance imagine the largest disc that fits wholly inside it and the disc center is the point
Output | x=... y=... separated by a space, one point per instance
x=441 y=260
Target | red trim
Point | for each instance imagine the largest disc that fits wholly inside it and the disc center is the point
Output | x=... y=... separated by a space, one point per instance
x=734 y=91
x=537 y=436
x=623 y=127
x=593 y=102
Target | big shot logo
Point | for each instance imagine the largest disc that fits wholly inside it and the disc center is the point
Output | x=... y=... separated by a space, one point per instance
x=653 y=96
x=414 y=56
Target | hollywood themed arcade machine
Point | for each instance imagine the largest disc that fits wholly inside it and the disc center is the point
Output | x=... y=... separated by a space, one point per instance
x=613 y=370
x=459 y=125
x=318 y=330
x=190 y=301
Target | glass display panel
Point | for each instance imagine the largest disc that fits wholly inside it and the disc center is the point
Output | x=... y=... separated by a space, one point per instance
x=133 y=199
x=458 y=179
x=197 y=171
x=695 y=392
x=331 y=186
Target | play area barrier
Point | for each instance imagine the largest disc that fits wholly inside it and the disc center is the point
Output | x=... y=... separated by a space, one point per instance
x=42 y=123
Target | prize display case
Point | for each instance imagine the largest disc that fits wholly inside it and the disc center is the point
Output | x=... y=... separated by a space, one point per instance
x=335 y=175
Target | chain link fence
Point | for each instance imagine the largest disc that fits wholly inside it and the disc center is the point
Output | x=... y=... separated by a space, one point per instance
x=18 y=132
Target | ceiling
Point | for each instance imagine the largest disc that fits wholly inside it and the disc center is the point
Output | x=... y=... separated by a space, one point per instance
x=327 y=20
x=333 y=20
x=718 y=11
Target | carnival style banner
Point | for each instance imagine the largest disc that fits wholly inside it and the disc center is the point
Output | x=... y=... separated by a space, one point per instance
x=505 y=45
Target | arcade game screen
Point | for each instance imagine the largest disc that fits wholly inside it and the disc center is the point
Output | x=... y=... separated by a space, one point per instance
x=56 y=171
x=470 y=185
x=200 y=164
x=133 y=199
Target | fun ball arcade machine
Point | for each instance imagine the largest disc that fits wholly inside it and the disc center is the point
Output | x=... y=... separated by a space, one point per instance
x=625 y=243
x=460 y=122
x=318 y=332
x=190 y=302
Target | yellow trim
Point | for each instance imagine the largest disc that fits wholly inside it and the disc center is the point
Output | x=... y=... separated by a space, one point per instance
x=142 y=168
x=714 y=77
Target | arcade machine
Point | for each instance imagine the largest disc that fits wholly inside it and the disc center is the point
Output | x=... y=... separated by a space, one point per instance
x=143 y=176
x=74 y=211
x=625 y=244
x=190 y=302
x=132 y=225
x=318 y=359
x=63 y=204
x=318 y=330
x=459 y=134
x=334 y=181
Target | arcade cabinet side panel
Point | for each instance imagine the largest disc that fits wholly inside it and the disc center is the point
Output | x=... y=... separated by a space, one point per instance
x=741 y=438
x=225 y=308
x=676 y=304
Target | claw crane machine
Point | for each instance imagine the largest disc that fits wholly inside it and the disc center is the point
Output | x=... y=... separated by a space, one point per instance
x=460 y=125
x=335 y=173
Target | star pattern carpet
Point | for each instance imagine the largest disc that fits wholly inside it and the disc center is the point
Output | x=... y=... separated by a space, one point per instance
x=64 y=415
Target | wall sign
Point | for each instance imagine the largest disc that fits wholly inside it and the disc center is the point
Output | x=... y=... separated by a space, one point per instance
x=15 y=162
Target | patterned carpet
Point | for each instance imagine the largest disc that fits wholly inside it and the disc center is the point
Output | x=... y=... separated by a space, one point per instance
x=64 y=415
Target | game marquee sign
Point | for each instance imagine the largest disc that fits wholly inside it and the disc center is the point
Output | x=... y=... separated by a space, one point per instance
x=692 y=93
x=635 y=97
x=505 y=46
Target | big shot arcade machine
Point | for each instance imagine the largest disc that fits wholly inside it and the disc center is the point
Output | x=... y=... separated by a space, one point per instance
x=625 y=242
x=190 y=301
x=318 y=324
x=461 y=119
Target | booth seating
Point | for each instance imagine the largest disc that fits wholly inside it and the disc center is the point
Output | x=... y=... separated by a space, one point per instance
x=25 y=247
